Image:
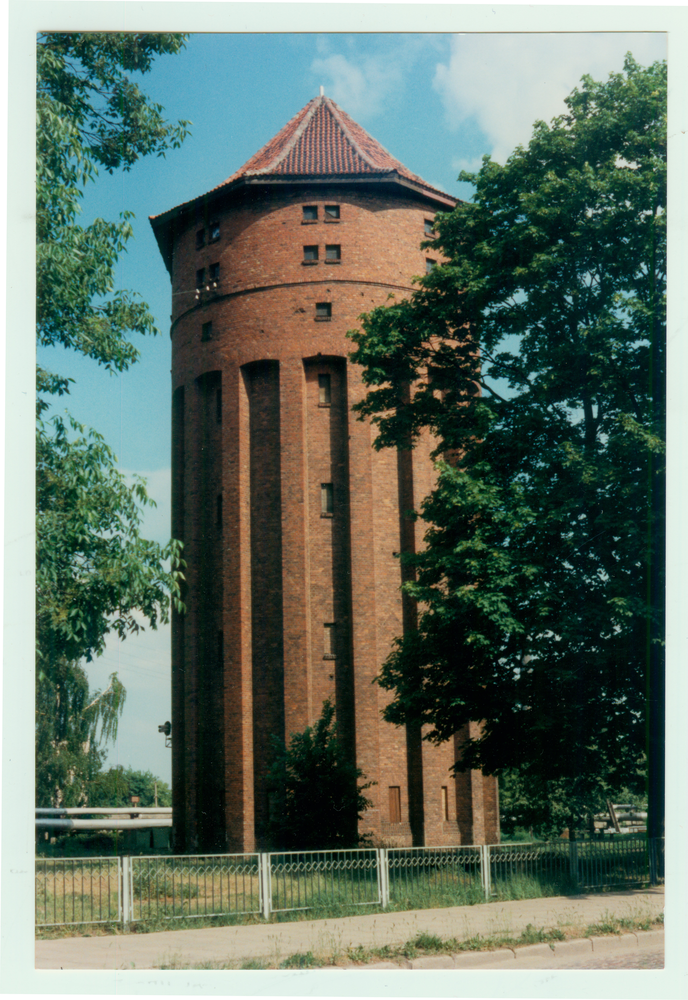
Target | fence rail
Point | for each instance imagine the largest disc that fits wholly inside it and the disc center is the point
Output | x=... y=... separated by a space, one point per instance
x=165 y=887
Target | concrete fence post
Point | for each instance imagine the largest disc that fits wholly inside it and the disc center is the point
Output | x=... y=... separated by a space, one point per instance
x=125 y=891
x=383 y=875
x=265 y=885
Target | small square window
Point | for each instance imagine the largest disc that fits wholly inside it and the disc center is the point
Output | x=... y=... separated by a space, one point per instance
x=207 y=331
x=310 y=213
x=326 y=498
x=324 y=390
x=214 y=270
x=333 y=252
x=323 y=310
x=331 y=212
x=200 y=239
x=328 y=641
x=310 y=254
x=429 y=264
x=200 y=277
x=395 y=804
x=214 y=231
x=428 y=225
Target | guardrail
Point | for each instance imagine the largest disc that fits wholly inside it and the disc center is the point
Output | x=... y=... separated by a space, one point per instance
x=165 y=887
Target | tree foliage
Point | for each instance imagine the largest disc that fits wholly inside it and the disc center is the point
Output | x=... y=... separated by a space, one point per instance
x=95 y=574
x=90 y=113
x=535 y=356
x=316 y=798
x=116 y=786
x=71 y=725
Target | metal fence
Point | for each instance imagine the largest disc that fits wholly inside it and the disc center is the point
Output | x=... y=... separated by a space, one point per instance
x=202 y=885
x=317 y=879
x=78 y=891
x=450 y=875
x=130 y=889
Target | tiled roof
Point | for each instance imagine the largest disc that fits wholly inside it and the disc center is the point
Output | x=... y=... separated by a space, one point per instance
x=322 y=141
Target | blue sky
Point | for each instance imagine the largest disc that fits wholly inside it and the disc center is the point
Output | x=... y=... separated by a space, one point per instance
x=436 y=102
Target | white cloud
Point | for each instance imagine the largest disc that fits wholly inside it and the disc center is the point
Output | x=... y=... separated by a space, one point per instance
x=365 y=84
x=506 y=82
x=362 y=89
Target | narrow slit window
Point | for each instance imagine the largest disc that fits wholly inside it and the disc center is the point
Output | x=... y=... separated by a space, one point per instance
x=331 y=212
x=207 y=331
x=200 y=239
x=200 y=277
x=214 y=231
x=429 y=265
x=310 y=254
x=395 y=804
x=310 y=213
x=328 y=641
x=323 y=310
x=324 y=390
x=214 y=270
x=333 y=252
x=218 y=512
x=326 y=499
x=445 y=802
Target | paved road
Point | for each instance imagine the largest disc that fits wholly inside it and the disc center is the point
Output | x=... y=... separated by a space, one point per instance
x=650 y=958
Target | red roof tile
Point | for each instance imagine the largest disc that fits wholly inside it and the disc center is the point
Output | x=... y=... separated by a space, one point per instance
x=322 y=140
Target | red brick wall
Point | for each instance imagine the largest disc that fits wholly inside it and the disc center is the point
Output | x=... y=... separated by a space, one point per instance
x=278 y=571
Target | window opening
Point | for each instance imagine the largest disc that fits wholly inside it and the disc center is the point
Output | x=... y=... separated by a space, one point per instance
x=310 y=254
x=328 y=641
x=331 y=212
x=310 y=213
x=200 y=239
x=323 y=310
x=429 y=264
x=324 y=390
x=200 y=277
x=207 y=330
x=395 y=804
x=214 y=231
x=428 y=225
x=445 y=802
x=214 y=272
x=333 y=252
x=326 y=499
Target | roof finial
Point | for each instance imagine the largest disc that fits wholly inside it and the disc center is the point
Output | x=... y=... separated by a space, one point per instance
x=322 y=91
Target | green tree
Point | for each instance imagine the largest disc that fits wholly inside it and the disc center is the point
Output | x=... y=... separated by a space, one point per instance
x=95 y=571
x=530 y=805
x=71 y=725
x=316 y=799
x=535 y=356
x=116 y=786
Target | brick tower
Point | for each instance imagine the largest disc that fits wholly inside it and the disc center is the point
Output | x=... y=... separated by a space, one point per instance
x=291 y=522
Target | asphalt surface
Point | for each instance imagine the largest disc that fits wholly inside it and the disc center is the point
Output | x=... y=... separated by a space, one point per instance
x=274 y=943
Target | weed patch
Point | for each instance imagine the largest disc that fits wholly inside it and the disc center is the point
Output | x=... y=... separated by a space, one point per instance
x=299 y=960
